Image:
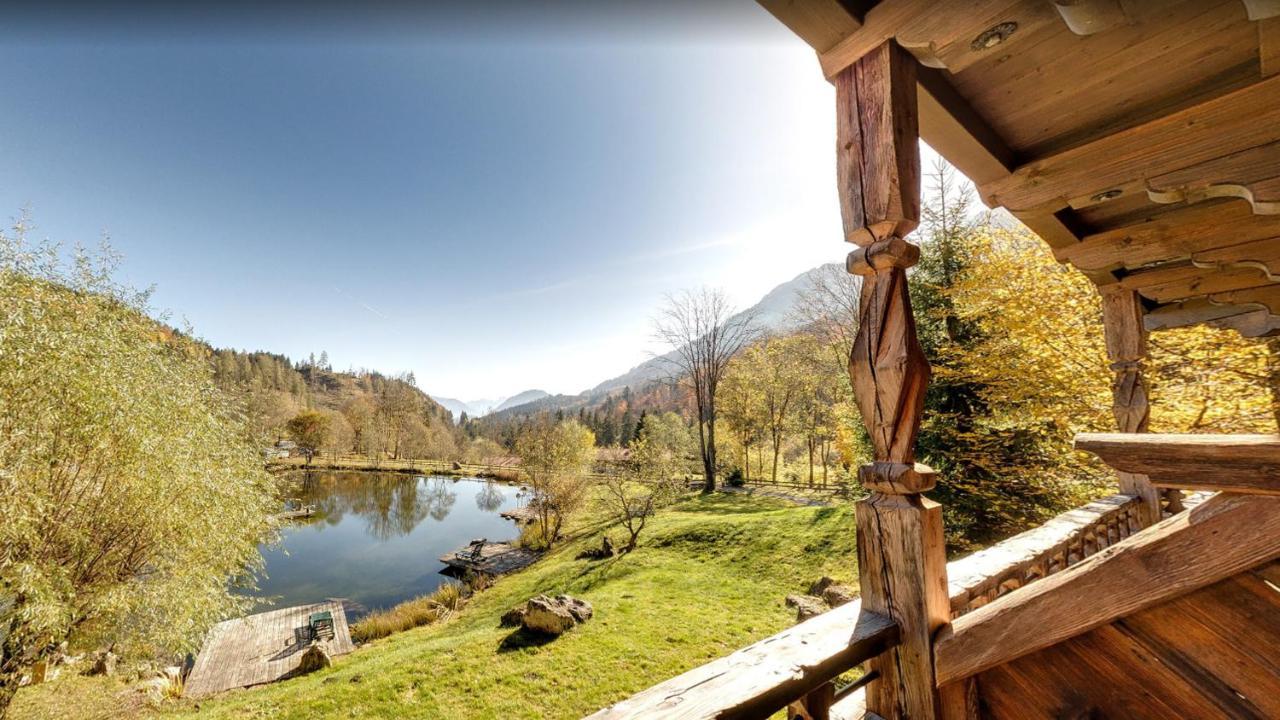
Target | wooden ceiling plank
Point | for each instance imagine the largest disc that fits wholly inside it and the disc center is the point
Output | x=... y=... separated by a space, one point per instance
x=1172 y=56
x=820 y=23
x=1175 y=235
x=1261 y=254
x=921 y=26
x=1269 y=46
x=1252 y=175
x=1187 y=281
x=1089 y=17
x=1194 y=312
x=951 y=127
x=1236 y=121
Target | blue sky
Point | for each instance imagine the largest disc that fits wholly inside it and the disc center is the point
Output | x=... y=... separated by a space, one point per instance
x=495 y=202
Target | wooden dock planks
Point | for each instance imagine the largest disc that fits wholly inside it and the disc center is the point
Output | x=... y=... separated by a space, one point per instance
x=261 y=648
x=495 y=559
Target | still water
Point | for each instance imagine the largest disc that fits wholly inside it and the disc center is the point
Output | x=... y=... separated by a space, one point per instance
x=376 y=537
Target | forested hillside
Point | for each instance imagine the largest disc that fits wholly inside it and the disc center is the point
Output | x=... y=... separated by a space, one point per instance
x=363 y=411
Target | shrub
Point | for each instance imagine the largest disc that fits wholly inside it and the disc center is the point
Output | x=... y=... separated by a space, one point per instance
x=532 y=537
x=425 y=610
x=735 y=478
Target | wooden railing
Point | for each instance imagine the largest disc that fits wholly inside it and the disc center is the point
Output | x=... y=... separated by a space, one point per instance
x=797 y=667
x=766 y=676
x=977 y=579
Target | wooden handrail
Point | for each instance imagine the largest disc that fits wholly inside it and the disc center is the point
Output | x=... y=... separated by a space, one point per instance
x=1225 y=535
x=764 y=677
x=780 y=676
x=1232 y=463
x=1065 y=540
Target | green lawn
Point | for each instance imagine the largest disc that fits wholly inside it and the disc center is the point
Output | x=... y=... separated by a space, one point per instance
x=709 y=577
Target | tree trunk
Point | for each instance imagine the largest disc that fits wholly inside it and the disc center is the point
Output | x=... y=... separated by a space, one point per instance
x=777 y=442
x=810 y=461
x=1273 y=376
x=709 y=461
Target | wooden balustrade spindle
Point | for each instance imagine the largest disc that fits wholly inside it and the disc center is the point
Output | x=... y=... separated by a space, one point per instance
x=901 y=560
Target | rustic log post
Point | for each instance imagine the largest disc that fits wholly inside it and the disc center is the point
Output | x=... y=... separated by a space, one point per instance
x=1127 y=349
x=901 y=558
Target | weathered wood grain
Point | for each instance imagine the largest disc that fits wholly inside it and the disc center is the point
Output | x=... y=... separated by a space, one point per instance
x=820 y=23
x=1223 y=536
x=1252 y=175
x=902 y=574
x=1214 y=652
x=877 y=149
x=1175 y=235
x=1126 y=341
x=1235 y=463
x=1175 y=141
x=765 y=676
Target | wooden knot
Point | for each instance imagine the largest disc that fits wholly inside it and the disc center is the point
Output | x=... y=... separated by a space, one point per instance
x=894 y=478
x=892 y=252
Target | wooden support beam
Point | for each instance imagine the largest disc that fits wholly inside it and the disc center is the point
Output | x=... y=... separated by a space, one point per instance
x=877 y=150
x=1269 y=46
x=1126 y=341
x=760 y=679
x=1225 y=535
x=901 y=551
x=940 y=35
x=1185 y=281
x=952 y=127
x=1175 y=141
x=1089 y=17
x=820 y=23
x=1248 y=320
x=1252 y=175
x=1233 y=463
x=1175 y=235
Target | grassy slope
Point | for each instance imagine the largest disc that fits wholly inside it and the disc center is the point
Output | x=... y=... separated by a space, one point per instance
x=709 y=577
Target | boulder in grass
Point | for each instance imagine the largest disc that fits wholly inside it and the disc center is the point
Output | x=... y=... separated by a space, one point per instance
x=555 y=616
x=806 y=606
x=821 y=585
x=513 y=617
x=837 y=595
x=314 y=658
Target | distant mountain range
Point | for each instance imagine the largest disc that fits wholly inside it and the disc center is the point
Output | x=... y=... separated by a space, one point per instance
x=775 y=313
x=480 y=408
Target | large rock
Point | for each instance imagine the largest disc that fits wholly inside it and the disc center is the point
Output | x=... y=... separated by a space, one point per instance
x=837 y=595
x=513 y=617
x=823 y=583
x=555 y=616
x=104 y=664
x=314 y=658
x=806 y=606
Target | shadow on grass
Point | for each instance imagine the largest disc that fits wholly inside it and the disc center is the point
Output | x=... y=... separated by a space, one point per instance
x=521 y=638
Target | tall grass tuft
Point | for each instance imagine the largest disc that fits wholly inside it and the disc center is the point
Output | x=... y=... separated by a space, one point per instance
x=425 y=610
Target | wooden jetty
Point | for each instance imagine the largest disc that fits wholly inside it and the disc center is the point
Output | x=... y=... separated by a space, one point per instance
x=305 y=511
x=520 y=515
x=494 y=558
x=262 y=648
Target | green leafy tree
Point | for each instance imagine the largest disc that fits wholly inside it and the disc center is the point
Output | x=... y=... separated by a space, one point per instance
x=310 y=429
x=131 y=494
x=651 y=475
x=555 y=458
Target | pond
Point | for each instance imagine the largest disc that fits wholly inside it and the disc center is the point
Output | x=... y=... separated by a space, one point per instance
x=376 y=538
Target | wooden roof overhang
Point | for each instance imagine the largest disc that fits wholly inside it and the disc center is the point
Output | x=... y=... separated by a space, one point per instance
x=1140 y=140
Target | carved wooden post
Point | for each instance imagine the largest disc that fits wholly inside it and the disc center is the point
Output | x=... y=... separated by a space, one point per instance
x=901 y=560
x=1127 y=348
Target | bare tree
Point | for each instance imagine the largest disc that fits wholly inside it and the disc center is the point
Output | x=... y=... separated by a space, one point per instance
x=704 y=334
x=827 y=308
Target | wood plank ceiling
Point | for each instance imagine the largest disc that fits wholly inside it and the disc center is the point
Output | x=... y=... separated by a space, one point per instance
x=1139 y=138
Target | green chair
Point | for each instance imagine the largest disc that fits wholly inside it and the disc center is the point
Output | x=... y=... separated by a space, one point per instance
x=321 y=624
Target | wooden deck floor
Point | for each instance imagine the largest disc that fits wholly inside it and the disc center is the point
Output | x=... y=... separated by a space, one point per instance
x=495 y=559
x=261 y=648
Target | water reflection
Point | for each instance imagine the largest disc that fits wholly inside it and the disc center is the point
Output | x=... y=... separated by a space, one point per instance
x=490 y=498
x=376 y=537
x=390 y=505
